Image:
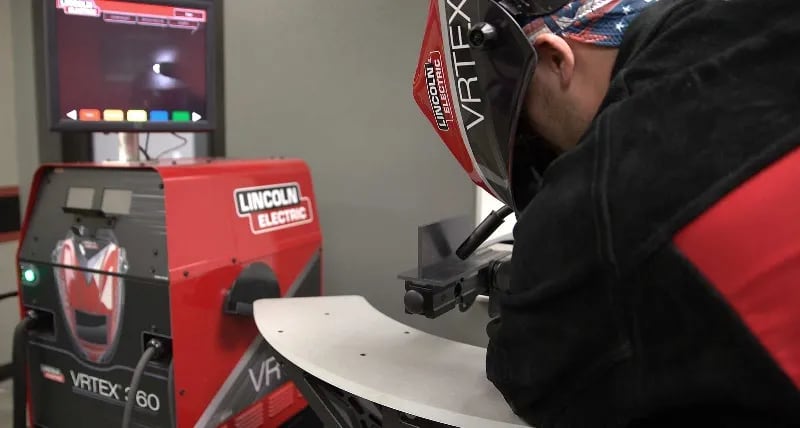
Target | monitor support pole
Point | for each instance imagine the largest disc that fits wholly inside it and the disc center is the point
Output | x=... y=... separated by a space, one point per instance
x=128 y=146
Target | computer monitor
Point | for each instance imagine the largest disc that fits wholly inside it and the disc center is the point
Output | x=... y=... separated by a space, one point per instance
x=131 y=66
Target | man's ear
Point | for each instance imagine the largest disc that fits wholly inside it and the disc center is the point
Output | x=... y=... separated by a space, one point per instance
x=556 y=56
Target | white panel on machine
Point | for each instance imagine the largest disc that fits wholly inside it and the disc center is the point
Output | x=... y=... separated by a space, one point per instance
x=344 y=341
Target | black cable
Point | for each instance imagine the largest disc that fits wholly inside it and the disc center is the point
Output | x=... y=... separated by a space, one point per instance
x=6 y=372
x=20 y=360
x=504 y=212
x=146 y=147
x=10 y=294
x=137 y=377
x=185 y=142
x=483 y=232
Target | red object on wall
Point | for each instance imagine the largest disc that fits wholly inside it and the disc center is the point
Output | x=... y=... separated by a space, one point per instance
x=9 y=237
x=6 y=191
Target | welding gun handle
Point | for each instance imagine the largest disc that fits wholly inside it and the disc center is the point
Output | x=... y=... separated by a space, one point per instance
x=483 y=232
x=500 y=284
x=501 y=275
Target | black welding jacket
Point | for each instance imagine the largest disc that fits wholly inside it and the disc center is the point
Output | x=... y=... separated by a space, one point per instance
x=647 y=286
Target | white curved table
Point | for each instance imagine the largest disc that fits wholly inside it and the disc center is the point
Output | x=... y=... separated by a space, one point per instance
x=344 y=341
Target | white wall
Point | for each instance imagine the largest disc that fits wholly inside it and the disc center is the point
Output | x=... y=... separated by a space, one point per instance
x=8 y=177
x=330 y=82
x=106 y=146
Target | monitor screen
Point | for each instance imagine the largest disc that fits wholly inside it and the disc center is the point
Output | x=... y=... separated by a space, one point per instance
x=130 y=65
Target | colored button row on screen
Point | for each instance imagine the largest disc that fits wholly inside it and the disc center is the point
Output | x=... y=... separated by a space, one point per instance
x=115 y=115
x=163 y=116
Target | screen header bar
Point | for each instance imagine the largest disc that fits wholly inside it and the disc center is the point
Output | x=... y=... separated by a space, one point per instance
x=118 y=9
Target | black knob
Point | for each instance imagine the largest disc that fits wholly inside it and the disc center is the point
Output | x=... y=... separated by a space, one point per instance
x=481 y=33
x=414 y=301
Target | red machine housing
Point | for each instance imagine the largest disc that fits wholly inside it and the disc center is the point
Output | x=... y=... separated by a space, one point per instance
x=192 y=243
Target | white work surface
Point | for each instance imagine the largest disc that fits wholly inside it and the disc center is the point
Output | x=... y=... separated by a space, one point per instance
x=401 y=368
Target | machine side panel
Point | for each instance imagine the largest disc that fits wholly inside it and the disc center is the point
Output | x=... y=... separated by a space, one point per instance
x=94 y=264
x=246 y=209
x=244 y=371
x=224 y=376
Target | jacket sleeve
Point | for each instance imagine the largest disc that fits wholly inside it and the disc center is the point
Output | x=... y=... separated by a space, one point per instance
x=559 y=330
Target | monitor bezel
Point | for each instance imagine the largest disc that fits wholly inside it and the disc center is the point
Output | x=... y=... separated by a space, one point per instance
x=52 y=89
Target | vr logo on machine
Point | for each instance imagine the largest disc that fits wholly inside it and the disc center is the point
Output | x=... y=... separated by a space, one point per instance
x=267 y=371
x=274 y=207
x=438 y=93
x=257 y=378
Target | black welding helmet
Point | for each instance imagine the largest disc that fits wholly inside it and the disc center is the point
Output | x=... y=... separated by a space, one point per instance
x=473 y=74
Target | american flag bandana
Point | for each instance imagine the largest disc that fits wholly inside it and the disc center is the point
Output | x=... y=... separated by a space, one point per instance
x=597 y=22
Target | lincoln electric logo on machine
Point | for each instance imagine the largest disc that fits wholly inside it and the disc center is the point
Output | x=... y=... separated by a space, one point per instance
x=273 y=207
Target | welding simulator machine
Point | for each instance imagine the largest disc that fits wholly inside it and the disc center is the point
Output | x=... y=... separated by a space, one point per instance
x=136 y=289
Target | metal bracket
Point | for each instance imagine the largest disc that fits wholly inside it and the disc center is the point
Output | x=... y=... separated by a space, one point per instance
x=442 y=282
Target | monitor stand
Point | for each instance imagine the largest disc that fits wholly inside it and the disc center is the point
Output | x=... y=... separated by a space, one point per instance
x=129 y=146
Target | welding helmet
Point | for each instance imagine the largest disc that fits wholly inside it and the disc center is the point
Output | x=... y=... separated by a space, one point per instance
x=88 y=272
x=471 y=80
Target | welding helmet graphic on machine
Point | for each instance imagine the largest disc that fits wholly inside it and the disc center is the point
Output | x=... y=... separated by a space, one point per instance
x=472 y=77
x=88 y=274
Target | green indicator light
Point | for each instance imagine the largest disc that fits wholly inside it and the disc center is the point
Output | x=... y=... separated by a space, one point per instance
x=29 y=275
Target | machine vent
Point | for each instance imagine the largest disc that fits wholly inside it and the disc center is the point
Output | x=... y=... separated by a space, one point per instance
x=251 y=418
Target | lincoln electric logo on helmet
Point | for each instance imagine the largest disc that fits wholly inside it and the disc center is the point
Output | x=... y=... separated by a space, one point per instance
x=458 y=87
x=274 y=207
x=442 y=60
x=438 y=93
